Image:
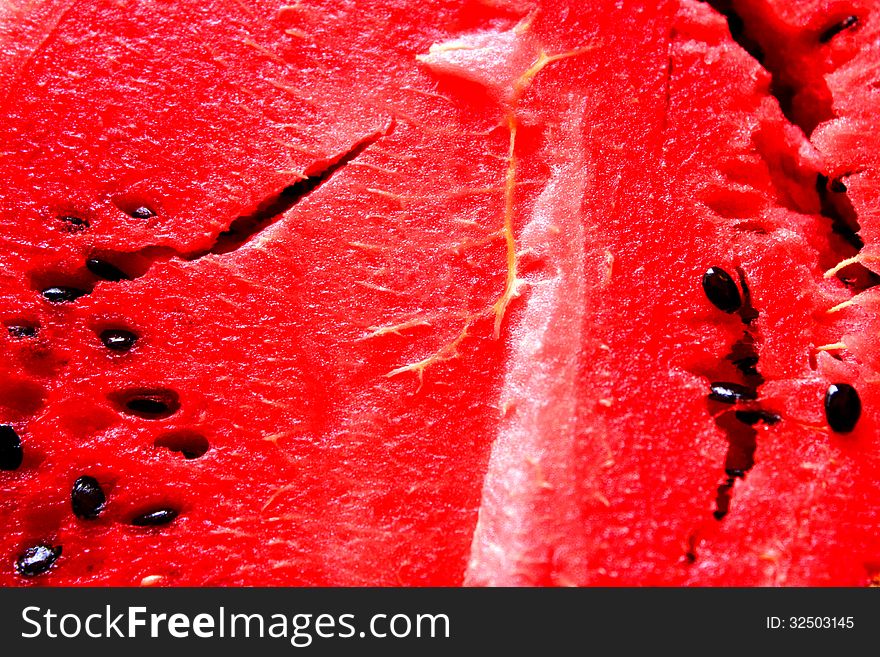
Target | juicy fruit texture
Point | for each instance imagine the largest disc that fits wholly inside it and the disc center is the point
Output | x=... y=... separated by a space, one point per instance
x=270 y=364
x=698 y=493
x=431 y=293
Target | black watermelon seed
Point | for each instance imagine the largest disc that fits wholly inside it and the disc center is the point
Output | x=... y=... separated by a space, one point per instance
x=842 y=407
x=730 y=393
x=118 y=339
x=147 y=406
x=142 y=212
x=721 y=290
x=74 y=224
x=837 y=186
x=148 y=403
x=11 y=453
x=154 y=518
x=37 y=560
x=62 y=294
x=105 y=270
x=21 y=331
x=87 y=498
x=837 y=28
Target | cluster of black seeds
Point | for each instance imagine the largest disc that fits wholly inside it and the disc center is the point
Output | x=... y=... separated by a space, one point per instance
x=98 y=268
x=115 y=339
x=843 y=407
x=741 y=397
x=87 y=498
x=842 y=403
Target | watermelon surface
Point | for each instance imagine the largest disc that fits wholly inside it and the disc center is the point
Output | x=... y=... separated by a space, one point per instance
x=497 y=292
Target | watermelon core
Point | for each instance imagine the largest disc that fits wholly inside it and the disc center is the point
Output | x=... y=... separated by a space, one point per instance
x=395 y=293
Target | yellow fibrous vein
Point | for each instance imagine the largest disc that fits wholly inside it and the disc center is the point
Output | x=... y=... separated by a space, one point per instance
x=448 y=351
x=512 y=282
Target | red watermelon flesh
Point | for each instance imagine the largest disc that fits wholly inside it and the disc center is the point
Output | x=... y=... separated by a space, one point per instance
x=323 y=468
x=649 y=470
x=425 y=281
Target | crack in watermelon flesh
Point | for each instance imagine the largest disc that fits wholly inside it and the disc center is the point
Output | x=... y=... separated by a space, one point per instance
x=395 y=293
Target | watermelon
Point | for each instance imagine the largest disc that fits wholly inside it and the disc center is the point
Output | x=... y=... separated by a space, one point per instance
x=497 y=292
